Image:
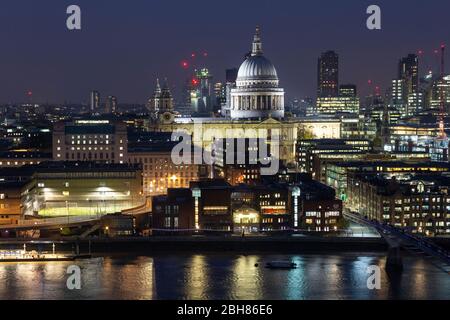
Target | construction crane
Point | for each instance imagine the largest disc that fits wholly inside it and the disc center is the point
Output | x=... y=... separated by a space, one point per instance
x=442 y=134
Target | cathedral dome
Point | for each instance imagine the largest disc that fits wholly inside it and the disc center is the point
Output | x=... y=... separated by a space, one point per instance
x=257 y=93
x=257 y=68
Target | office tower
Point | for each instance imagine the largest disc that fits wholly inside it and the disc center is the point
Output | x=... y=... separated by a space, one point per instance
x=185 y=106
x=205 y=90
x=111 y=105
x=438 y=93
x=328 y=75
x=399 y=98
x=230 y=78
x=94 y=101
x=408 y=71
x=219 y=95
x=231 y=75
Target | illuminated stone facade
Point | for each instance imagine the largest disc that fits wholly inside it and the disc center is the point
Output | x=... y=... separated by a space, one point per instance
x=204 y=130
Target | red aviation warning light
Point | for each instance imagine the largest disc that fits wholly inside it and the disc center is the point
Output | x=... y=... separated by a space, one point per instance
x=29 y=93
x=184 y=64
x=377 y=90
x=194 y=82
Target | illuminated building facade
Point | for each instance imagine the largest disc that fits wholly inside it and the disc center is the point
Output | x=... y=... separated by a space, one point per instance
x=159 y=171
x=290 y=130
x=406 y=97
x=310 y=153
x=399 y=100
x=10 y=201
x=81 y=188
x=337 y=172
x=90 y=140
x=331 y=105
x=205 y=91
x=18 y=158
x=419 y=134
x=216 y=206
x=439 y=92
x=345 y=101
x=356 y=126
x=419 y=203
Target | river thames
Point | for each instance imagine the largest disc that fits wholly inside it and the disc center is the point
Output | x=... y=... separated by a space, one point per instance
x=224 y=276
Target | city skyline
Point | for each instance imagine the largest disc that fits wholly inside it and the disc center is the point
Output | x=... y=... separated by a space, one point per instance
x=115 y=57
x=254 y=151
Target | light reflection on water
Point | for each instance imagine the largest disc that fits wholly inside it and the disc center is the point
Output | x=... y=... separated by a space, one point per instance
x=223 y=276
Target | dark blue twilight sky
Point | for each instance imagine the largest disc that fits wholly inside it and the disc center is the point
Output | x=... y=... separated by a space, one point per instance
x=125 y=44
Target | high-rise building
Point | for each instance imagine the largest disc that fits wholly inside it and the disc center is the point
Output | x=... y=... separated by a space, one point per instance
x=111 y=105
x=438 y=93
x=408 y=70
x=94 y=101
x=231 y=75
x=220 y=95
x=185 y=105
x=230 y=78
x=398 y=96
x=202 y=95
x=406 y=97
x=328 y=75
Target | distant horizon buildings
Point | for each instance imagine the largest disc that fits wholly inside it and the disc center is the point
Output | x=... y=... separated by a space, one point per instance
x=111 y=105
x=94 y=103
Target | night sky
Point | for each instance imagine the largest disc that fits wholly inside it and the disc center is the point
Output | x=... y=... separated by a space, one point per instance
x=125 y=45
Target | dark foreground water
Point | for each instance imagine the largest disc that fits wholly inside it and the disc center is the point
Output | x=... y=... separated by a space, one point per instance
x=224 y=276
